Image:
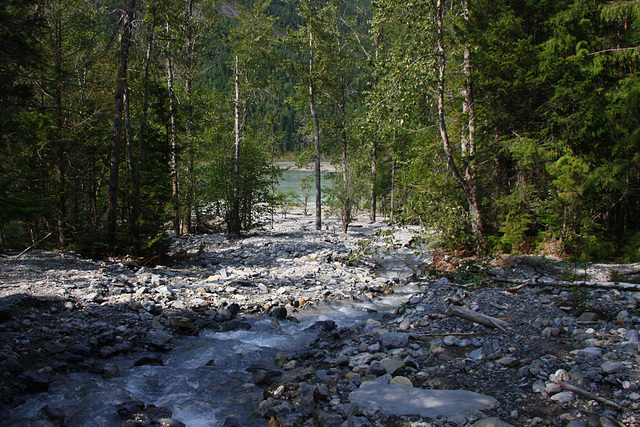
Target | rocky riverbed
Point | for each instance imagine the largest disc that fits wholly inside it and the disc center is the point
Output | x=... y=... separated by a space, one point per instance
x=563 y=348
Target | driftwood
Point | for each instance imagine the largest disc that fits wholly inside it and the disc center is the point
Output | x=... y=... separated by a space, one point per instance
x=623 y=286
x=452 y=334
x=588 y=395
x=474 y=316
x=426 y=338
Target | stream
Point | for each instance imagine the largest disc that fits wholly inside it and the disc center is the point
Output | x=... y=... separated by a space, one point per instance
x=204 y=380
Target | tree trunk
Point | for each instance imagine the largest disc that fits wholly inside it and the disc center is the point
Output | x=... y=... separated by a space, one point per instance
x=468 y=186
x=175 y=173
x=468 y=144
x=145 y=88
x=235 y=223
x=190 y=199
x=374 y=177
x=316 y=135
x=133 y=175
x=60 y=162
x=348 y=197
x=393 y=187
x=116 y=143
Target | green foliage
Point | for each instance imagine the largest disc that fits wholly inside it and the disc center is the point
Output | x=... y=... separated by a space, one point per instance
x=258 y=177
x=557 y=101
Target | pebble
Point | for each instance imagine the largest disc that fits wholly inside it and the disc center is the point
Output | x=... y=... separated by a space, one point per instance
x=611 y=367
x=563 y=397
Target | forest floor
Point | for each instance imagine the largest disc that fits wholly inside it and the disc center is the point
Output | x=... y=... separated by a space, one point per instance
x=554 y=343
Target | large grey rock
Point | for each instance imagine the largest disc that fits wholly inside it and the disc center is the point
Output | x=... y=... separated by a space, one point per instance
x=402 y=400
x=394 y=340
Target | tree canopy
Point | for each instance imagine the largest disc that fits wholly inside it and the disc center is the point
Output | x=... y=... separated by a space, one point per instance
x=506 y=126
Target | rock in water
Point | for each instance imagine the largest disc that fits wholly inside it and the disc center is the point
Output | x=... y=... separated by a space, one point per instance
x=402 y=400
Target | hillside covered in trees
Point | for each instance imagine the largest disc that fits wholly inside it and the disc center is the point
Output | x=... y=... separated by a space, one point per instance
x=506 y=126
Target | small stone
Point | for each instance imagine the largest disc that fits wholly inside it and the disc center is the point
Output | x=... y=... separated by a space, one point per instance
x=539 y=387
x=590 y=352
x=476 y=354
x=376 y=368
x=400 y=380
x=563 y=397
x=551 y=388
x=321 y=393
x=632 y=336
x=290 y=365
x=449 y=340
x=181 y=322
x=588 y=316
x=360 y=359
x=491 y=422
x=165 y=290
x=159 y=335
x=55 y=347
x=611 y=367
x=509 y=361
x=322 y=418
x=623 y=316
x=392 y=366
x=279 y=313
x=560 y=375
x=93 y=297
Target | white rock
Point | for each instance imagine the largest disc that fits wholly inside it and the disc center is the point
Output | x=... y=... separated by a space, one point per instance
x=552 y=388
x=563 y=397
x=589 y=351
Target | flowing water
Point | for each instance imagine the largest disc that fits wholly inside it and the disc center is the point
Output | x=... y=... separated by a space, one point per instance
x=204 y=379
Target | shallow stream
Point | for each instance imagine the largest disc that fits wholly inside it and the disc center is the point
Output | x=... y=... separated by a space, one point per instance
x=204 y=379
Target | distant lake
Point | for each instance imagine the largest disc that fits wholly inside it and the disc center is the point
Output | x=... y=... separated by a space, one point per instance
x=290 y=181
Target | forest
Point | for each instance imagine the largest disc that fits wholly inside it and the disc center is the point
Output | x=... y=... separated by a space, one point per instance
x=505 y=126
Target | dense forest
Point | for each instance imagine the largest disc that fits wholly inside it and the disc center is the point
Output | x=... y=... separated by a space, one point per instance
x=505 y=125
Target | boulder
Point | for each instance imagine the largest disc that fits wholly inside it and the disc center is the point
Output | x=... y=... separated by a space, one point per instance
x=394 y=340
x=402 y=400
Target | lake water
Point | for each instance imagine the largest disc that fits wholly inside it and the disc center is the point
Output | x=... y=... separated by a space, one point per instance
x=291 y=179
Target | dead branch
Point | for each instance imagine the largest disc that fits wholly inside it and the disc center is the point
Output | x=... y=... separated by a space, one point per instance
x=474 y=316
x=30 y=247
x=587 y=394
x=623 y=286
x=427 y=337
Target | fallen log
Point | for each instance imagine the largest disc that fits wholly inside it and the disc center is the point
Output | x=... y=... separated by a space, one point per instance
x=622 y=286
x=587 y=394
x=474 y=316
x=427 y=338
